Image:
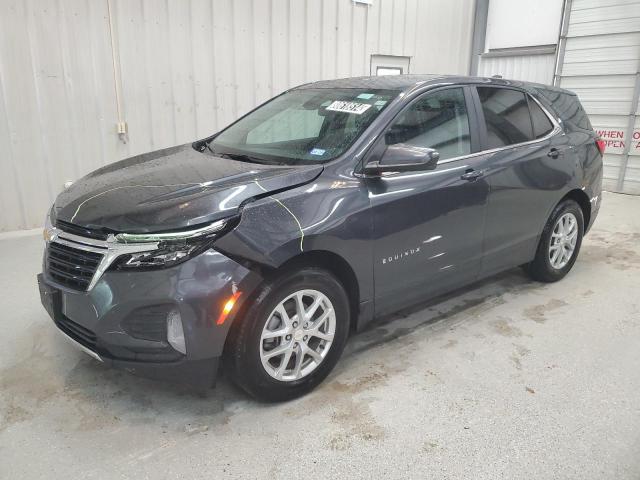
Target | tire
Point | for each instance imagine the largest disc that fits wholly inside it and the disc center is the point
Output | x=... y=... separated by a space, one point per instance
x=245 y=357
x=542 y=268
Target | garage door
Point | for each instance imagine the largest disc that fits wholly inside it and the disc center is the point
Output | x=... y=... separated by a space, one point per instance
x=600 y=61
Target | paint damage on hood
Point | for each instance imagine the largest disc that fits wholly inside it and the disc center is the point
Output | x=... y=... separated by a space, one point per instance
x=171 y=189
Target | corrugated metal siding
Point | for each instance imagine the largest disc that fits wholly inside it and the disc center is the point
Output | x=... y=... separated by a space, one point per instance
x=187 y=69
x=601 y=63
x=531 y=68
x=57 y=105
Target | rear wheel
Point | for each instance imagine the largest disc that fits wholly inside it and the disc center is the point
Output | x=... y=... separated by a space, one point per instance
x=559 y=244
x=291 y=336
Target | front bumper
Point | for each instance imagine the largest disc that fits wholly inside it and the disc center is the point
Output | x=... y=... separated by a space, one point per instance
x=109 y=321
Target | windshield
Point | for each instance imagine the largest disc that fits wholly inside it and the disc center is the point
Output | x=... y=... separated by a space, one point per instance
x=302 y=126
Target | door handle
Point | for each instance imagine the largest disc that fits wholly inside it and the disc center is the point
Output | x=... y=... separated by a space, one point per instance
x=471 y=174
x=553 y=153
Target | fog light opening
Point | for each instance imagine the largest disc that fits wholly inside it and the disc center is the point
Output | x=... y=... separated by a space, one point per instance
x=228 y=306
x=175 y=333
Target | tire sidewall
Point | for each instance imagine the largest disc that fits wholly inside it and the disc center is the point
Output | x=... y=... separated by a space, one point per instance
x=568 y=206
x=249 y=370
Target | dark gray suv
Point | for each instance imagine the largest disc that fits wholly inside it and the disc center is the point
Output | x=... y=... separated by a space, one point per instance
x=267 y=243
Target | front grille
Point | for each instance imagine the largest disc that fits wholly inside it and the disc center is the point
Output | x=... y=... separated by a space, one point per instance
x=81 y=231
x=70 y=266
x=80 y=334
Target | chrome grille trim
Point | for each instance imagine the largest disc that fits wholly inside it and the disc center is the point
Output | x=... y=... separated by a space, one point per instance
x=110 y=249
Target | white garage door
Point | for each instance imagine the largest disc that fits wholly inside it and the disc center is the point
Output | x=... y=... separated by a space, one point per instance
x=602 y=65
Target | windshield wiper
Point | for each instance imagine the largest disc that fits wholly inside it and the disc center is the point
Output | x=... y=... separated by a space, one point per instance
x=206 y=144
x=240 y=156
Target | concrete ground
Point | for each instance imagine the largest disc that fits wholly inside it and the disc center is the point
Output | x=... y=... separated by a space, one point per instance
x=509 y=379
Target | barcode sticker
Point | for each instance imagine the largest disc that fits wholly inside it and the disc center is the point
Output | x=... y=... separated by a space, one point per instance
x=349 y=107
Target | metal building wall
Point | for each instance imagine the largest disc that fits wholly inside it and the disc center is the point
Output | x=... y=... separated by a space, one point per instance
x=601 y=63
x=57 y=106
x=520 y=39
x=185 y=68
x=531 y=68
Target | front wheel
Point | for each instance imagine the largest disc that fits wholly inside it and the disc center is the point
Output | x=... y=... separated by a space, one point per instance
x=291 y=336
x=559 y=244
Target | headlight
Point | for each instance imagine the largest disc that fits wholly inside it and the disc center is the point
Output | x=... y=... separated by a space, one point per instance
x=49 y=232
x=166 y=256
x=172 y=247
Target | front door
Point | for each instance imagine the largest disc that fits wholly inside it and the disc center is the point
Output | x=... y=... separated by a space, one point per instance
x=428 y=225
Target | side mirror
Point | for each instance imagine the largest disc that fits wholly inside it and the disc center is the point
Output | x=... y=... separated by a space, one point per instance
x=404 y=158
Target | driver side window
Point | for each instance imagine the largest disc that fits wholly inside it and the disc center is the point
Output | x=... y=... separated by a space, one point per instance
x=437 y=120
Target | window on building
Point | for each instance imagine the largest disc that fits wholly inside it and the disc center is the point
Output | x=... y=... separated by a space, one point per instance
x=389 y=71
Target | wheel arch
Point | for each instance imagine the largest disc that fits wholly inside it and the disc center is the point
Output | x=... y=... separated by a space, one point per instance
x=324 y=259
x=338 y=267
x=582 y=199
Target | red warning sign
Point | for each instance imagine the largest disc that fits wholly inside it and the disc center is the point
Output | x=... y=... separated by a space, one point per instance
x=615 y=142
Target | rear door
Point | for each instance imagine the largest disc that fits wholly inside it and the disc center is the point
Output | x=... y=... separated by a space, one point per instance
x=528 y=167
x=428 y=225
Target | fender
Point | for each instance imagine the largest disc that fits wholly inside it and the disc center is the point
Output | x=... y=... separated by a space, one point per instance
x=330 y=214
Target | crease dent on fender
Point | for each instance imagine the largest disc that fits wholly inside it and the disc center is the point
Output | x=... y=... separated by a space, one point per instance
x=290 y=213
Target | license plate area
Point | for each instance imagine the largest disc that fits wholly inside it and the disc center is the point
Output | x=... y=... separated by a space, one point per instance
x=51 y=299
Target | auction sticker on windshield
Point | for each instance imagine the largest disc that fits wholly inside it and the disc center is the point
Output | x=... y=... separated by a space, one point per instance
x=349 y=107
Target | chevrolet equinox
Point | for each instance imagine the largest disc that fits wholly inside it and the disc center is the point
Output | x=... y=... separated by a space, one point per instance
x=264 y=245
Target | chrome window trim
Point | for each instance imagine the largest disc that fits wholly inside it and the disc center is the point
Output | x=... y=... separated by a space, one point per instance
x=557 y=128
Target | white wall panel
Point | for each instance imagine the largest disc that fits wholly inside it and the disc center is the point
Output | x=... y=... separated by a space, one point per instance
x=531 y=68
x=443 y=34
x=187 y=68
x=603 y=94
x=515 y=50
x=601 y=65
x=510 y=23
x=603 y=54
x=57 y=105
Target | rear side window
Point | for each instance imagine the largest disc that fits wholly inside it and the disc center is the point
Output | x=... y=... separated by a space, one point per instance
x=506 y=115
x=568 y=108
x=542 y=126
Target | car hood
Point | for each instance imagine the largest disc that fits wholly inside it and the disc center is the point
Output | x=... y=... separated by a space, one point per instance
x=171 y=189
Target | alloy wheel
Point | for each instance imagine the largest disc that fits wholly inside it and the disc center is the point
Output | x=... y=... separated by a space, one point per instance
x=563 y=240
x=297 y=335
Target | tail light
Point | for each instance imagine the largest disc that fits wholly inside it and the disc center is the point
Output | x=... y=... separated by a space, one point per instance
x=600 y=144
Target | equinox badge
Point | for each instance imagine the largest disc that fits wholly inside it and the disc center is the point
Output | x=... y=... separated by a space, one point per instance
x=401 y=255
